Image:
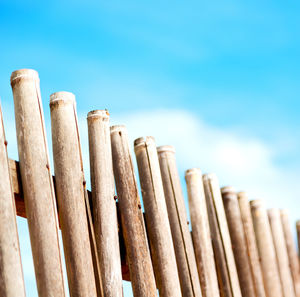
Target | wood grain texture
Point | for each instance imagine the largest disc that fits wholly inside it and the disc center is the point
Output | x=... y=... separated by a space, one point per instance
x=225 y=264
x=238 y=241
x=201 y=233
x=158 y=226
x=183 y=245
x=266 y=249
x=104 y=205
x=37 y=183
x=70 y=190
x=281 y=253
x=138 y=254
x=291 y=251
x=251 y=244
x=11 y=274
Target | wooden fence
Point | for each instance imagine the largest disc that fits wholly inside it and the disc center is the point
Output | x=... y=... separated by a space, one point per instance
x=236 y=247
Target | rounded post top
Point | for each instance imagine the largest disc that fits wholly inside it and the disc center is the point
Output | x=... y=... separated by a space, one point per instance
x=273 y=212
x=144 y=141
x=166 y=148
x=298 y=224
x=209 y=176
x=62 y=96
x=228 y=190
x=98 y=113
x=257 y=203
x=193 y=171
x=28 y=73
x=118 y=128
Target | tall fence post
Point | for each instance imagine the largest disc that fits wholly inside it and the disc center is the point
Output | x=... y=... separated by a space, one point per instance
x=238 y=241
x=281 y=253
x=251 y=244
x=37 y=183
x=70 y=187
x=266 y=249
x=138 y=254
x=298 y=236
x=104 y=204
x=184 y=251
x=157 y=222
x=11 y=274
x=201 y=233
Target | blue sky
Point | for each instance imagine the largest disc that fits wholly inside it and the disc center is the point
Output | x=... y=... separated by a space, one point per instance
x=219 y=80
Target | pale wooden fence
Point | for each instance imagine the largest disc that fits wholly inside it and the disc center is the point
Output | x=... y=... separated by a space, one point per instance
x=235 y=249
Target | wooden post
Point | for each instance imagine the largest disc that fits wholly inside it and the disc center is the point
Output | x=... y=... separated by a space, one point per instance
x=251 y=245
x=225 y=265
x=104 y=205
x=281 y=253
x=291 y=250
x=138 y=255
x=37 y=183
x=158 y=226
x=201 y=233
x=238 y=241
x=298 y=236
x=11 y=274
x=70 y=187
x=266 y=249
x=183 y=245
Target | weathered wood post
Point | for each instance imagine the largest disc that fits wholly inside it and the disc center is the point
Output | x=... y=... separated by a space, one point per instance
x=281 y=253
x=225 y=264
x=138 y=254
x=298 y=236
x=70 y=187
x=201 y=233
x=37 y=183
x=158 y=226
x=251 y=244
x=11 y=274
x=183 y=245
x=238 y=241
x=104 y=205
x=291 y=250
x=266 y=249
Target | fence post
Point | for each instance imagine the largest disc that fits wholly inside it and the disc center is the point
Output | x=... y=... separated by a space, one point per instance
x=157 y=222
x=201 y=233
x=251 y=244
x=138 y=254
x=281 y=253
x=70 y=187
x=225 y=265
x=11 y=274
x=104 y=205
x=184 y=251
x=266 y=249
x=37 y=183
x=238 y=241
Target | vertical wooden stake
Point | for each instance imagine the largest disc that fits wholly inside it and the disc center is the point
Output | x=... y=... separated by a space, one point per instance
x=156 y=214
x=266 y=249
x=291 y=250
x=251 y=244
x=37 y=183
x=70 y=188
x=184 y=251
x=225 y=264
x=281 y=253
x=298 y=236
x=140 y=266
x=238 y=241
x=201 y=233
x=104 y=205
x=11 y=274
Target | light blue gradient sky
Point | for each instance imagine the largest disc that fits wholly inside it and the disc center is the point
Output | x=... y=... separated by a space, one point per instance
x=219 y=80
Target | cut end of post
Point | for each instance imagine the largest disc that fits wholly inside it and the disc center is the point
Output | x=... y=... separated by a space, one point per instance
x=242 y=195
x=273 y=213
x=209 y=177
x=142 y=141
x=298 y=225
x=257 y=203
x=28 y=73
x=62 y=96
x=228 y=189
x=118 y=129
x=193 y=171
x=166 y=148
x=284 y=212
x=98 y=114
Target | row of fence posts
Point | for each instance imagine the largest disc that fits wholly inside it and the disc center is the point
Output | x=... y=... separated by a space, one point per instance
x=236 y=249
